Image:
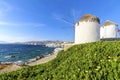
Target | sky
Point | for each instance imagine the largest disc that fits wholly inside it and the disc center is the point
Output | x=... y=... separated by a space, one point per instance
x=36 y=20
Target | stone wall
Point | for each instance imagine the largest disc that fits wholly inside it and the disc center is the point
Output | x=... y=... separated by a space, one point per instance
x=67 y=46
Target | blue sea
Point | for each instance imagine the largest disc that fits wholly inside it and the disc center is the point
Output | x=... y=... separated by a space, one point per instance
x=19 y=52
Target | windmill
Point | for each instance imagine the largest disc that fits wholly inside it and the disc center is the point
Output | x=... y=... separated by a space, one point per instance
x=109 y=29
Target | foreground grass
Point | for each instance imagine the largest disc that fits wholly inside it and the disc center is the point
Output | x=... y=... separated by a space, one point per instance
x=92 y=61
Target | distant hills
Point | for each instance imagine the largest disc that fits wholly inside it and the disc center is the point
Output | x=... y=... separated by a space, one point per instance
x=3 y=42
x=40 y=42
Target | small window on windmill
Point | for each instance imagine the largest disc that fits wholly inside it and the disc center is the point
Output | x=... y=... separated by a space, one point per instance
x=87 y=20
x=77 y=23
x=93 y=19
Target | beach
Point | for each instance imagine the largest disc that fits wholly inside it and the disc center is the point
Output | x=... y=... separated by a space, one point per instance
x=43 y=60
x=13 y=67
x=46 y=58
x=9 y=67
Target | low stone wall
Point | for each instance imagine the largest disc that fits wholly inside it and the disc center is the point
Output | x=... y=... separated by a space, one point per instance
x=109 y=39
x=68 y=45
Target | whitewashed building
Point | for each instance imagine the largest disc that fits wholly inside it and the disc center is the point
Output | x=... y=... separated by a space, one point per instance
x=108 y=30
x=87 y=29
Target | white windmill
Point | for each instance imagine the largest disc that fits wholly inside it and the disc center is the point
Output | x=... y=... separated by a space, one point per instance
x=87 y=29
x=109 y=30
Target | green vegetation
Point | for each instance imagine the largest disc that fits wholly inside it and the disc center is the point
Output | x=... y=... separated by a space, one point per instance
x=91 y=61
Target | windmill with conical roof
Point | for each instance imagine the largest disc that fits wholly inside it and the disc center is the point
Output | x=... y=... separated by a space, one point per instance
x=109 y=30
x=87 y=29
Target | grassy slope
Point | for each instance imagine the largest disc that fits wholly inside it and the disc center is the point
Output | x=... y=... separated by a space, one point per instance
x=98 y=60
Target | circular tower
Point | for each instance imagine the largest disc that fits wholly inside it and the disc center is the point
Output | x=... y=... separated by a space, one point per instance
x=108 y=30
x=87 y=29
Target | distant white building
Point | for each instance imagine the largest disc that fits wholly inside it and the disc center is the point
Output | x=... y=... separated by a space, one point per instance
x=87 y=29
x=108 y=30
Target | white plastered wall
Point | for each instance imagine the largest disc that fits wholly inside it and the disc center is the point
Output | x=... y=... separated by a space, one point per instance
x=87 y=32
x=111 y=31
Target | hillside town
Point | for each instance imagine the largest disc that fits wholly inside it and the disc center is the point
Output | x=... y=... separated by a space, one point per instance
x=45 y=43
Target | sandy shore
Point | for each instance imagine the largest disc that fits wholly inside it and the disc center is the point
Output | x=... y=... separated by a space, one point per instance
x=12 y=67
x=9 y=67
x=43 y=60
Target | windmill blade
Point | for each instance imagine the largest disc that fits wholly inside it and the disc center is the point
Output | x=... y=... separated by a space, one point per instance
x=73 y=16
x=65 y=20
x=76 y=15
x=68 y=27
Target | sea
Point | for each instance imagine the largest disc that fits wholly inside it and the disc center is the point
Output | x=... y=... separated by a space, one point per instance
x=19 y=53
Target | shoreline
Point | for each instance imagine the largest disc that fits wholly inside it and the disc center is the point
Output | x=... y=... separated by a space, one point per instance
x=43 y=60
x=8 y=67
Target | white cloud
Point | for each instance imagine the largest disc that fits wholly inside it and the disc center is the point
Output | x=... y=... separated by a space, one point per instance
x=13 y=24
x=12 y=39
x=5 y=8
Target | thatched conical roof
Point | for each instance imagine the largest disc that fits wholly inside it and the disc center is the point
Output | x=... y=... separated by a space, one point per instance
x=89 y=18
x=108 y=22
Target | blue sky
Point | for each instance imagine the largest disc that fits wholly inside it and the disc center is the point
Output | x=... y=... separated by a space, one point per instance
x=34 y=20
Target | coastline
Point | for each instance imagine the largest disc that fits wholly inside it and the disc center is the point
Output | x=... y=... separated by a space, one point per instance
x=46 y=58
x=43 y=60
x=4 y=68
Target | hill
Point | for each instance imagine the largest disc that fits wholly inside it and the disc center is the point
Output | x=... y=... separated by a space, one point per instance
x=91 y=61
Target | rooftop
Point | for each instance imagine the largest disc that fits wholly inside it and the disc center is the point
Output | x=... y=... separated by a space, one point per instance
x=89 y=18
x=108 y=22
